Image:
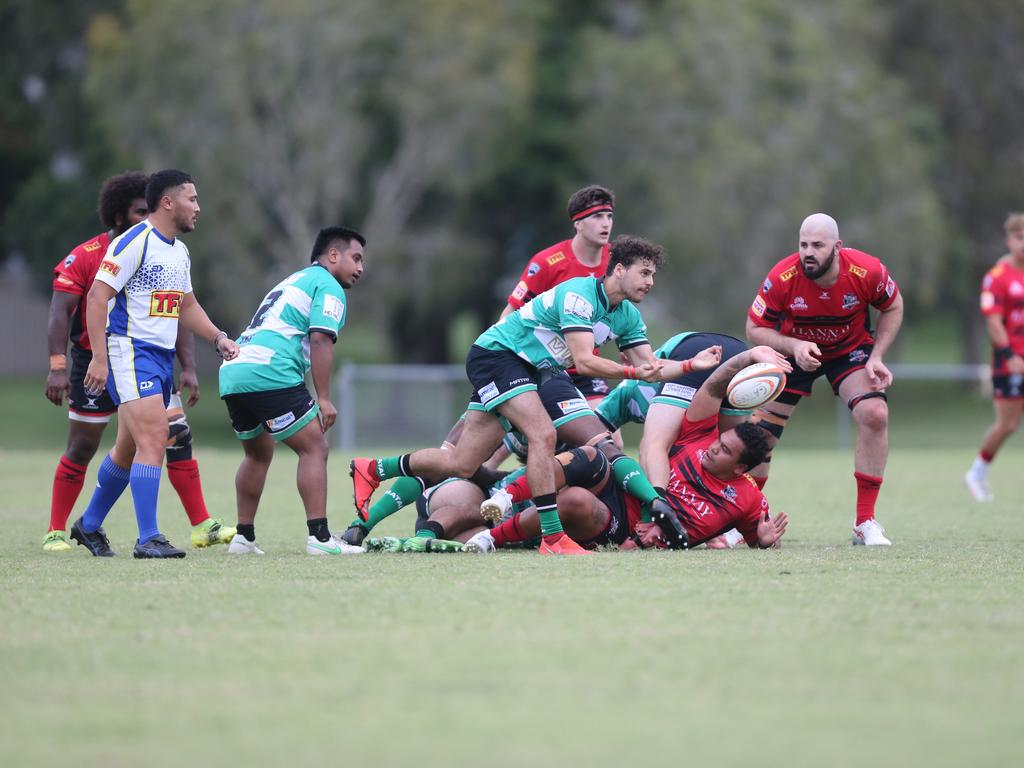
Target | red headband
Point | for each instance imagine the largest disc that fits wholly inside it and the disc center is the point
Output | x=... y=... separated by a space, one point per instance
x=600 y=208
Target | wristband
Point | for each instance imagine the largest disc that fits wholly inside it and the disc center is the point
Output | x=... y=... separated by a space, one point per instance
x=58 y=362
x=216 y=339
x=629 y=372
x=687 y=366
x=1003 y=354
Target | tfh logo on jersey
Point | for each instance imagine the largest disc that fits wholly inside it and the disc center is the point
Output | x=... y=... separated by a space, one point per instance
x=788 y=275
x=110 y=267
x=858 y=271
x=165 y=303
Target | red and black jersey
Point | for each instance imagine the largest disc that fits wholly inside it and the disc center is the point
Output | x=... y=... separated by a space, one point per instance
x=74 y=274
x=550 y=267
x=1002 y=293
x=707 y=506
x=835 y=318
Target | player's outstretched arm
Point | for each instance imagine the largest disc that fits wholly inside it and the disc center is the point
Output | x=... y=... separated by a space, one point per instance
x=195 y=319
x=709 y=397
x=581 y=345
x=58 y=327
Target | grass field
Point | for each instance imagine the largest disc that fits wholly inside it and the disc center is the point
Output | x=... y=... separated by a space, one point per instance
x=817 y=654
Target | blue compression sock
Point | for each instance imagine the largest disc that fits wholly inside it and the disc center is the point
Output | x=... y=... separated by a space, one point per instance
x=110 y=484
x=145 y=482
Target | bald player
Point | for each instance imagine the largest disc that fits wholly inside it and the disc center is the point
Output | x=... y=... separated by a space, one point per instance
x=813 y=308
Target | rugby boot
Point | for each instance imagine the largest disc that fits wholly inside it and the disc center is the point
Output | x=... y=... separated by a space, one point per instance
x=242 y=546
x=422 y=544
x=354 y=535
x=56 y=541
x=157 y=548
x=346 y=547
x=480 y=543
x=494 y=509
x=978 y=485
x=385 y=544
x=870 y=533
x=211 y=531
x=364 y=482
x=563 y=546
x=672 y=530
x=96 y=541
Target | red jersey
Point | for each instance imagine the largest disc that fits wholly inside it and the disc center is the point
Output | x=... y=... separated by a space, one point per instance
x=835 y=318
x=75 y=274
x=707 y=506
x=1002 y=293
x=550 y=267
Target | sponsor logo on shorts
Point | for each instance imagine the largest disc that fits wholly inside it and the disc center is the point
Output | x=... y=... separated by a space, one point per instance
x=571 y=406
x=730 y=493
x=146 y=385
x=552 y=260
x=850 y=301
x=533 y=269
x=613 y=525
x=679 y=390
x=788 y=275
x=798 y=303
x=858 y=356
x=519 y=382
x=333 y=308
x=577 y=306
x=858 y=271
x=488 y=393
x=165 y=303
x=758 y=307
x=110 y=267
x=767 y=285
x=520 y=290
x=279 y=423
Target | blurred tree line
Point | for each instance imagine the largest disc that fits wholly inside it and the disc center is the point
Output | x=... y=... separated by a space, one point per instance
x=452 y=133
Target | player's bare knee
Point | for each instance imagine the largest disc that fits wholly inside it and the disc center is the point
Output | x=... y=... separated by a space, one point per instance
x=870 y=411
x=542 y=436
x=81 y=448
x=608 y=447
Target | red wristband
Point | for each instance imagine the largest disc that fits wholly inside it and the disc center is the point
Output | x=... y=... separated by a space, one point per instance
x=628 y=372
x=687 y=366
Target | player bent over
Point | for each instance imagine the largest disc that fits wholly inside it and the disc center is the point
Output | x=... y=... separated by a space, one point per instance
x=708 y=488
x=145 y=278
x=293 y=331
x=122 y=204
x=1002 y=304
x=555 y=330
x=813 y=307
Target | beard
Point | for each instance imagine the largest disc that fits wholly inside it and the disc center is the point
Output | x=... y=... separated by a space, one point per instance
x=813 y=273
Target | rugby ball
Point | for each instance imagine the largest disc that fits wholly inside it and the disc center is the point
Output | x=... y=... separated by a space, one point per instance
x=755 y=385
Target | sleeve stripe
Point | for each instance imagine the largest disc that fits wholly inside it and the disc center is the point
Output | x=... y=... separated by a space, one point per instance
x=632 y=344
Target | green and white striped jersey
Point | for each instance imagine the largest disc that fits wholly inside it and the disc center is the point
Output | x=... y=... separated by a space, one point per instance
x=274 y=349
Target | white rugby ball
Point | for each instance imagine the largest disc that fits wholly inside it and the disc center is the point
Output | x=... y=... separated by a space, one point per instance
x=755 y=385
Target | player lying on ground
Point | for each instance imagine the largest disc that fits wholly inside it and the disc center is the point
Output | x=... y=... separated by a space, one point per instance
x=555 y=330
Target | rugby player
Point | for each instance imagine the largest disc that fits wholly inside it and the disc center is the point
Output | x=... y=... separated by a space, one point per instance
x=813 y=308
x=1002 y=304
x=142 y=288
x=293 y=331
x=708 y=491
x=122 y=204
x=555 y=330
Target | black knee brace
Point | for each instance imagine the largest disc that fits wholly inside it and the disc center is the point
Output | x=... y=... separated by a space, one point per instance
x=866 y=396
x=179 y=440
x=607 y=447
x=583 y=471
x=771 y=422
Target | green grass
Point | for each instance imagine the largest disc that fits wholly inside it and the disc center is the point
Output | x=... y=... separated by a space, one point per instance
x=817 y=654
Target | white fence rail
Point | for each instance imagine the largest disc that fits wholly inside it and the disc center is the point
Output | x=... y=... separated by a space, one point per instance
x=381 y=392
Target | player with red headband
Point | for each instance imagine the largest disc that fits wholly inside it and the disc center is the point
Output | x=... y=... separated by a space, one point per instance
x=591 y=210
x=813 y=307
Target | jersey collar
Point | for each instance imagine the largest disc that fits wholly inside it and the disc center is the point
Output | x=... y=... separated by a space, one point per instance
x=601 y=295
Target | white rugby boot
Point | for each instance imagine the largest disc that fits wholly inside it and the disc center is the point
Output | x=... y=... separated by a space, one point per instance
x=870 y=533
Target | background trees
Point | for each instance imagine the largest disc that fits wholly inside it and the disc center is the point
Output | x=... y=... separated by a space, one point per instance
x=452 y=133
